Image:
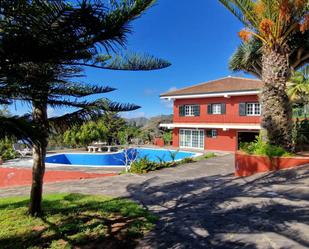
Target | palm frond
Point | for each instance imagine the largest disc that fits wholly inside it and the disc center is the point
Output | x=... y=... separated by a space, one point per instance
x=248 y=58
x=21 y=128
x=79 y=89
x=242 y=10
x=4 y=101
x=97 y=110
x=136 y=62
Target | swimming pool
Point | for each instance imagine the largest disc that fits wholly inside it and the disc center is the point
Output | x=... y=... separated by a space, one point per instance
x=117 y=159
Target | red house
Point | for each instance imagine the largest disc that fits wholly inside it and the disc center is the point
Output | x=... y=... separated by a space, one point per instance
x=216 y=115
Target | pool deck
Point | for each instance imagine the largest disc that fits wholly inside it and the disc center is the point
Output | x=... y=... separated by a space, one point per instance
x=202 y=205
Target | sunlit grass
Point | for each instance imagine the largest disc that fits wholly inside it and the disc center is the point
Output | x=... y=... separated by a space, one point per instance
x=71 y=220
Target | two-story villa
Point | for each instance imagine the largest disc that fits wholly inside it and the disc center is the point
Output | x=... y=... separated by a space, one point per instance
x=216 y=115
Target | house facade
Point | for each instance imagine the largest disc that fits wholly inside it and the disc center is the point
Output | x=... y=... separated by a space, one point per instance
x=216 y=115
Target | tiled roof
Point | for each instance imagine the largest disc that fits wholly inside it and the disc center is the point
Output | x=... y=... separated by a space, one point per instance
x=228 y=84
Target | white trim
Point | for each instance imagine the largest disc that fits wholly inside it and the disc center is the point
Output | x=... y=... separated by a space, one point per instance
x=215 y=126
x=210 y=95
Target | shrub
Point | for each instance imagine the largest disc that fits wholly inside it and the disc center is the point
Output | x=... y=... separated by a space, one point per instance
x=209 y=155
x=6 y=149
x=260 y=147
x=143 y=165
x=187 y=160
x=168 y=137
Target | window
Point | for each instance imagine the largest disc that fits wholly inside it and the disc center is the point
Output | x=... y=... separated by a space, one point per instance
x=191 y=138
x=189 y=110
x=212 y=133
x=253 y=109
x=216 y=108
x=249 y=109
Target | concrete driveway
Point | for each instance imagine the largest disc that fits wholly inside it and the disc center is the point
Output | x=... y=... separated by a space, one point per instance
x=202 y=205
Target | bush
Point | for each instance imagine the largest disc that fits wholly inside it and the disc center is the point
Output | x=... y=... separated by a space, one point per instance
x=168 y=137
x=6 y=149
x=260 y=147
x=187 y=160
x=143 y=165
x=209 y=155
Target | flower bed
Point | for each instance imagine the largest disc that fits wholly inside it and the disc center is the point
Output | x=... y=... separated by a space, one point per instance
x=246 y=165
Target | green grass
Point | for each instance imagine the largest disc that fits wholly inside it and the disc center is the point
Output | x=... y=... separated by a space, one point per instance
x=207 y=155
x=72 y=220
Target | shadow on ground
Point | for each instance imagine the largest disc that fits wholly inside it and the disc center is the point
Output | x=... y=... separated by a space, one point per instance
x=74 y=221
x=267 y=211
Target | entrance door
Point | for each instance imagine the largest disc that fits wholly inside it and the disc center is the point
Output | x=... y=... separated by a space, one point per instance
x=192 y=139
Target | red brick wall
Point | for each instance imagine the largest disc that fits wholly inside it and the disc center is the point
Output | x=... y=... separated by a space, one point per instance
x=175 y=137
x=232 y=110
x=246 y=165
x=159 y=141
x=225 y=141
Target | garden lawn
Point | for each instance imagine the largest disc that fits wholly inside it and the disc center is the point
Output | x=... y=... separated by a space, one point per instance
x=73 y=220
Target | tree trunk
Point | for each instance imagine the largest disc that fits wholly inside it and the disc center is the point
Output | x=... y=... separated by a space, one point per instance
x=39 y=154
x=276 y=108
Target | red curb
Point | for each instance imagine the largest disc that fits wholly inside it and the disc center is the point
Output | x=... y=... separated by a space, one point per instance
x=22 y=177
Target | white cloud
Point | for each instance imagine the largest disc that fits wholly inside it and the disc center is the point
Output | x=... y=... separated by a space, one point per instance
x=173 y=88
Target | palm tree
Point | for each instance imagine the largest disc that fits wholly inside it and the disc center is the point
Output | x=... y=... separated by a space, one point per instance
x=43 y=45
x=298 y=86
x=281 y=29
x=298 y=89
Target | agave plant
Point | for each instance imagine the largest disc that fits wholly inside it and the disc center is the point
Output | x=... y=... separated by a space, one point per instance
x=275 y=44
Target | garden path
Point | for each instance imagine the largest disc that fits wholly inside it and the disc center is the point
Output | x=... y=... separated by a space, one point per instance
x=202 y=205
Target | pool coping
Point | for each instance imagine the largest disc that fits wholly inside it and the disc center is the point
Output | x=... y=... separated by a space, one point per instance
x=196 y=154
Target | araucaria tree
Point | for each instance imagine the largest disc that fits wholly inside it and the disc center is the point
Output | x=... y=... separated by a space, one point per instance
x=43 y=46
x=277 y=30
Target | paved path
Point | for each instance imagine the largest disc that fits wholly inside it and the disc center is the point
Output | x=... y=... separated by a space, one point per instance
x=202 y=205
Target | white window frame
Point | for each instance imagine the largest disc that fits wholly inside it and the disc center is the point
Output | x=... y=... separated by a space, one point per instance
x=216 y=109
x=253 y=109
x=189 y=110
x=186 y=139
x=214 y=133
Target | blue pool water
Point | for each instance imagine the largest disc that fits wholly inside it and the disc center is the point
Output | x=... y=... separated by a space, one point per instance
x=116 y=159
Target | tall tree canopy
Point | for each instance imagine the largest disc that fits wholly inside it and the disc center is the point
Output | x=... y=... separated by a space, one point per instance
x=275 y=44
x=43 y=46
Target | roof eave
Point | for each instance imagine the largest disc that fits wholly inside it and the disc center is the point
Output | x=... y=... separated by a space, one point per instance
x=211 y=94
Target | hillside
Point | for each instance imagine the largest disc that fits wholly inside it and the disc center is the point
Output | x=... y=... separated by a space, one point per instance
x=150 y=122
x=151 y=125
x=140 y=122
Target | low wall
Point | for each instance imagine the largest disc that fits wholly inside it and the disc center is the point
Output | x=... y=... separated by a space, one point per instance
x=159 y=142
x=246 y=165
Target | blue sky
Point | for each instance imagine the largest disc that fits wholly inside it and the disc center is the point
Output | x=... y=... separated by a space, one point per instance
x=197 y=38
